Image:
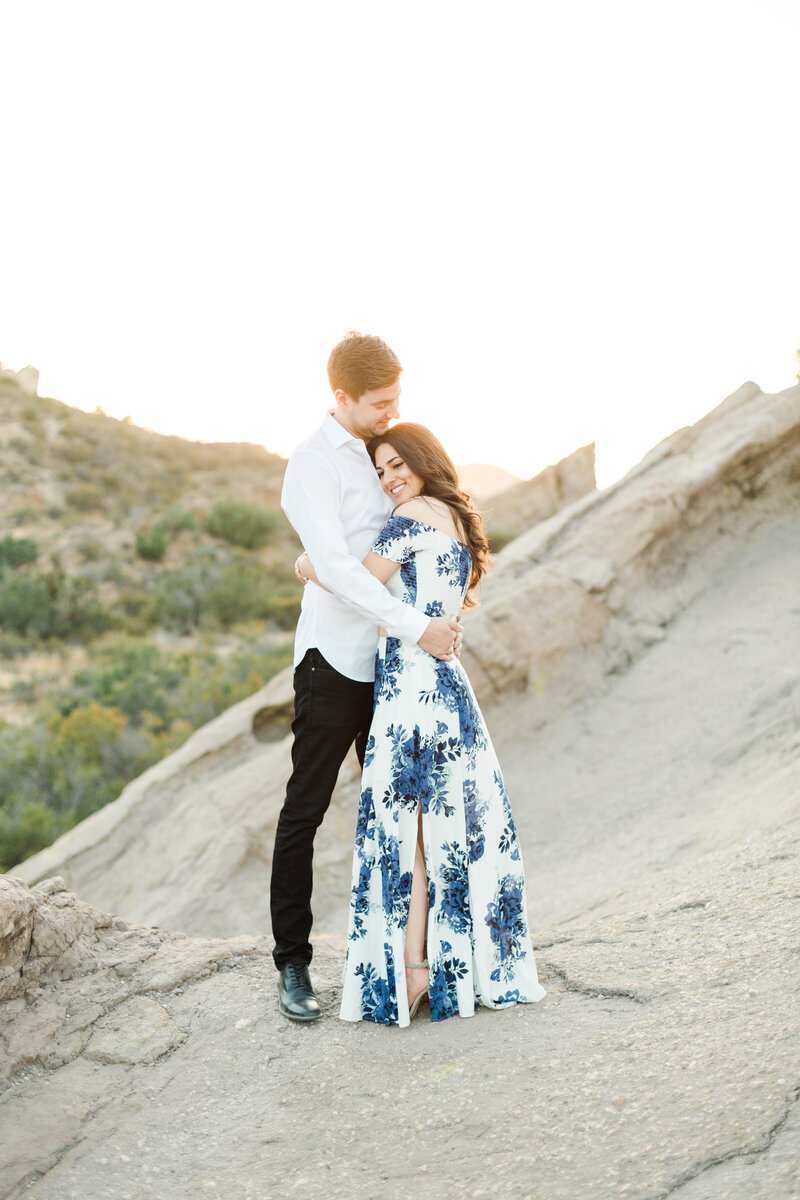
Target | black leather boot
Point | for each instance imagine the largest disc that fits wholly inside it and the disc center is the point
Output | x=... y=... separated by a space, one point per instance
x=296 y=995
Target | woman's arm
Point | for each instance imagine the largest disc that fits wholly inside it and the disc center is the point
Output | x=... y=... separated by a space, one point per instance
x=381 y=568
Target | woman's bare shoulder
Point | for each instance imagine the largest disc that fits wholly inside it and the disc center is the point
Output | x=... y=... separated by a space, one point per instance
x=430 y=511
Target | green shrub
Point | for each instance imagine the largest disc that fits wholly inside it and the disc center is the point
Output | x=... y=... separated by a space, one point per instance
x=238 y=594
x=129 y=675
x=21 y=516
x=27 y=828
x=151 y=543
x=51 y=605
x=134 y=703
x=16 y=552
x=242 y=524
x=135 y=611
x=210 y=594
x=180 y=596
x=90 y=550
x=175 y=520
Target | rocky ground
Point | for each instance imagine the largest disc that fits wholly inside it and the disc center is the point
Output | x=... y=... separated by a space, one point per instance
x=654 y=766
x=663 y=1060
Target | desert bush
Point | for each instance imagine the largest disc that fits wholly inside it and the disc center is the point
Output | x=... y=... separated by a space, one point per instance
x=180 y=596
x=75 y=451
x=242 y=524
x=51 y=604
x=134 y=703
x=90 y=550
x=175 y=520
x=85 y=497
x=16 y=552
x=151 y=543
x=239 y=593
x=26 y=828
x=21 y=516
x=12 y=644
x=132 y=676
x=135 y=611
x=210 y=594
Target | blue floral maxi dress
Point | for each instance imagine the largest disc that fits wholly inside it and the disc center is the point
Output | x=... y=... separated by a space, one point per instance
x=428 y=746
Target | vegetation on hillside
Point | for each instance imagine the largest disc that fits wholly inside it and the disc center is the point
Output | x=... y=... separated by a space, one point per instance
x=146 y=585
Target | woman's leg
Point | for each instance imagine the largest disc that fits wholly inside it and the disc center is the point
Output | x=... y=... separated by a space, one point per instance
x=416 y=928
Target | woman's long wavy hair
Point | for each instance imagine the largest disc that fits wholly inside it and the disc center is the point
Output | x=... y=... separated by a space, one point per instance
x=427 y=457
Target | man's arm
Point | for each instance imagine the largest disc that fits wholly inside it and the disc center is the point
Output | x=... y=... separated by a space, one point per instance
x=442 y=638
x=310 y=500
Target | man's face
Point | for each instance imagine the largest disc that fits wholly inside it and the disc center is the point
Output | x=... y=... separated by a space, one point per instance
x=371 y=413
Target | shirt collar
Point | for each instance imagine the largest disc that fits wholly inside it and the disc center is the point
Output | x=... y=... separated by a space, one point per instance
x=336 y=434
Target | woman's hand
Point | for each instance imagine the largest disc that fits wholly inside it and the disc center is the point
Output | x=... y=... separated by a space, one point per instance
x=298 y=568
x=458 y=640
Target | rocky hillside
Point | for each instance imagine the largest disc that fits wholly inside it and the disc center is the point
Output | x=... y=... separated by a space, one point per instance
x=69 y=475
x=637 y=660
x=145 y=585
x=516 y=509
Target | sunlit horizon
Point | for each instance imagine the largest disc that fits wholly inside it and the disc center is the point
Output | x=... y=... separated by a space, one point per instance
x=612 y=463
x=572 y=225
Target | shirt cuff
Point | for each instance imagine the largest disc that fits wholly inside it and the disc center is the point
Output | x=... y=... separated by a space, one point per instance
x=410 y=626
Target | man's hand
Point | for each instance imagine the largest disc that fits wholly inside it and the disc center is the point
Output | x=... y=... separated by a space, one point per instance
x=439 y=639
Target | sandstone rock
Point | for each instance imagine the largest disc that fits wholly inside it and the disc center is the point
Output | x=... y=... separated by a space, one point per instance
x=640 y=551
x=78 y=965
x=518 y=508
x=137 y=1031
x=16 y=929
x=28 y=380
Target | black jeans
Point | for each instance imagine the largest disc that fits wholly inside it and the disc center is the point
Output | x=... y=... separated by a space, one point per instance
x=330 y=713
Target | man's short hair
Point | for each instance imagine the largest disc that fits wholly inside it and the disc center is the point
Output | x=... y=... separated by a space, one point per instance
x=360 y=363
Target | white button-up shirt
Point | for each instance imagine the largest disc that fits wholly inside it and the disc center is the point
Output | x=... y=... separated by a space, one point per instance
x=332 y=496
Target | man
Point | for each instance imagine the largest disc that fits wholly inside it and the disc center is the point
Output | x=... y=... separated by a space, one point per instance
x=332 y=497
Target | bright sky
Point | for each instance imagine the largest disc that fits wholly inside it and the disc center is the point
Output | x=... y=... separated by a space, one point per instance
x=572 y=222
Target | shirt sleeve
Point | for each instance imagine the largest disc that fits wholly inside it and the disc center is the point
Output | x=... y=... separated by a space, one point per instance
x=311 y=501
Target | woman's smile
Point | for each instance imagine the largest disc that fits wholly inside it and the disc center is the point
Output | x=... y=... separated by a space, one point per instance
x=397 y=478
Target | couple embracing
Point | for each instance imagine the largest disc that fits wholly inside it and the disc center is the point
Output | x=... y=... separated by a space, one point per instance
x=393 y=551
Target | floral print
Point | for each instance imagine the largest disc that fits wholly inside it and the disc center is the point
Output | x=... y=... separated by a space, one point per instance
x=429 y=751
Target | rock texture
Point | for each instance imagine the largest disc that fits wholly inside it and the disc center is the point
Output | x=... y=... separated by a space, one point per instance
x=27 y=378
x=515 y=509
x=583 y=594
x=663 y=1060
x=637 y=658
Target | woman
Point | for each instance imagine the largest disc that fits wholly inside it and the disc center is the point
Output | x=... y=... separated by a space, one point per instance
x=438 y=881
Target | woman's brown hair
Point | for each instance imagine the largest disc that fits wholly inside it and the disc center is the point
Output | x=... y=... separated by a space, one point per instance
x=427 y=457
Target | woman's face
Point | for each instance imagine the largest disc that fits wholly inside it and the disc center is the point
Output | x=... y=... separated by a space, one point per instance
x=397 y=479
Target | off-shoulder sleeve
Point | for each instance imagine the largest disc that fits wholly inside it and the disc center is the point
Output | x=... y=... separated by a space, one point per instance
x=398 y=539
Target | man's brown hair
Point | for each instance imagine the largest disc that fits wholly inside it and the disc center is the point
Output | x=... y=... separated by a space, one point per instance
x=360 y=363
